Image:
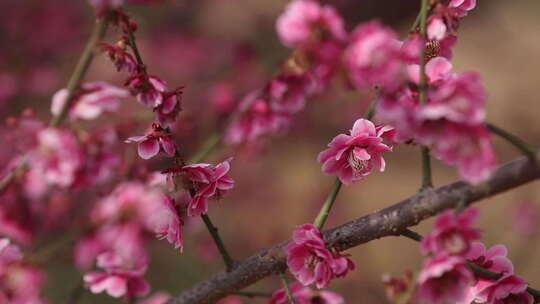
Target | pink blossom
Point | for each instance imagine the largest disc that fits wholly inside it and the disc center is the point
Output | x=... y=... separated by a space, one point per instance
x=158 y=139
x=123 y=61
x=55 y=161
x=437 y=70
x=436 y=29
x=167 y=111
x=443 y=279
x=305 y=295
x=352 y=157
x=22 y=285
x=209 y=181
x=374 y=57
x=157 y=298
x=167 y=223
x=452 y=234
x=311 y=262
x=301 y=20
x=148 y=89
x=288 y=92
x=9 y=253
x=116 y=280
x=508 y=289
x=397 y=287
x=93 y=99
x=468 y=148
x=494 y=259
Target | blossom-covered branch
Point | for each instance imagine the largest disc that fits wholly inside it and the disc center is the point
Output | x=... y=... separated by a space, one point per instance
x=390 y=221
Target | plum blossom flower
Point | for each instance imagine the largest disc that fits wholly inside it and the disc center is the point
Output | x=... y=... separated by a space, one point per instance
x=352 y=157
x=209 y=181
x=375 y=57
x=116 y=280
x=93 y=99
x=9 y=253
x=123 y=61
x=452 y=234
x=167 y=111
x=22 y=284
x=311 y=262
x=148 y=89
x=167 y=223
x=305 y=295
x=397 y=287
x=493 y=259
x=303 y=18
x=55 y=161
x=158 y=139
x=443 y=279
x=288 y=92
x=508 y=289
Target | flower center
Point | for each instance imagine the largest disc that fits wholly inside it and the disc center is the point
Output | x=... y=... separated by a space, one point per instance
x=357 y=164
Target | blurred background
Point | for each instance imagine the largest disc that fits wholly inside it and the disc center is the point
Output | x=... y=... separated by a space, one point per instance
x=218 y=48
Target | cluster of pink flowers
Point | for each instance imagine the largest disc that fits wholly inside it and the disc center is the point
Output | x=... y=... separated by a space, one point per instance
x=311 y=262
x=305 y=295
x=352 y=157
x=450 y=121
x=446 y=276
x=318 y=36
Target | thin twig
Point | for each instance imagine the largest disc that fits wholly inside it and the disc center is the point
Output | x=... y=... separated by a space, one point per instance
x=229 y=263
x=514 y=140
x=286 y=287
x=100 y=27
x=327 y=205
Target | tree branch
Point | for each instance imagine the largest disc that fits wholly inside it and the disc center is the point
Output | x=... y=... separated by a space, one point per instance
x=391 y=221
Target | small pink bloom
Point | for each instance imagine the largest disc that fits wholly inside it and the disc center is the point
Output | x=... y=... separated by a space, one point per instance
x=288 y=92
x=123 y=61
x=352 y=157
x=117 y=280
x=298 y=25
x=56 y=159
x=452 y=234
x=444 y=279
x=9 y=254
x=436 y=29
x=152 y=143
x=374 y=57
x=148 y=89
x=437 y=69
x=209 y=181
x=167 y=111
x=311 y=262
x=508 y=289
x=93 y=99
x=397 y=287
x=168 y=224
x=256 y=119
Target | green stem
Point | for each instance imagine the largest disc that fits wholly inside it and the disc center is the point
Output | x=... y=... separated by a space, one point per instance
x=426 y=169
x=133 y=45
x=422 y=87
x=229 y=263
x=474 y=267
x=286 y=287
x=100 y=27
x=514 y=140
x=208 y=146
x=327 y=206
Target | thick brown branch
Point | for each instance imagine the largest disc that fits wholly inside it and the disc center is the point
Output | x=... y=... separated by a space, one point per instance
x=389 y=221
